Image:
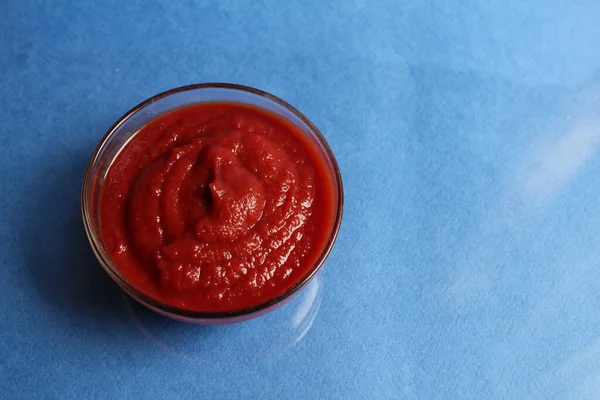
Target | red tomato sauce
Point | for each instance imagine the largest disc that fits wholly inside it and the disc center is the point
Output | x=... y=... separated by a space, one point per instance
x=216 y=207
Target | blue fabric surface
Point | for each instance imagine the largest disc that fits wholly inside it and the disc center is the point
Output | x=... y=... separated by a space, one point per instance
x=467 y=133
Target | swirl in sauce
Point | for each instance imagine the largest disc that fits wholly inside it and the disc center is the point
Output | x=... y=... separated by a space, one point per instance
x=216 y=206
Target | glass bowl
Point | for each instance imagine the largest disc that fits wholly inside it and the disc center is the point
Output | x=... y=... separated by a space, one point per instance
x=130 y=123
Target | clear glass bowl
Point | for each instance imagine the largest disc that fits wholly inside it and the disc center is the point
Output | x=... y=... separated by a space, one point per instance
x=129 y=124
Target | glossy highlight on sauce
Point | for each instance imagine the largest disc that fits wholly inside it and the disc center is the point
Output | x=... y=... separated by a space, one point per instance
x=217 y=207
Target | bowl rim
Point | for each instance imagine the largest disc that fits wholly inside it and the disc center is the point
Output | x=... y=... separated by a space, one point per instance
x=210 y=315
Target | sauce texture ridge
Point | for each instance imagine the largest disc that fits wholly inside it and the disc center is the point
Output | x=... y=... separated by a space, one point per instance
x=217 y=207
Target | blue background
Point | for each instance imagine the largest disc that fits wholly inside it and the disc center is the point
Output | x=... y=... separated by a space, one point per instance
x=467 y=266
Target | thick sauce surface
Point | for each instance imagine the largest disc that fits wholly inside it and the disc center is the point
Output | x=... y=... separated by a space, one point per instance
x=216 y=206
